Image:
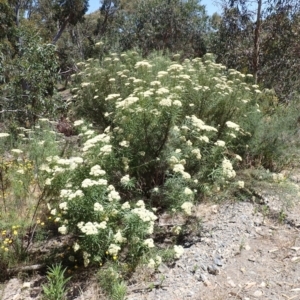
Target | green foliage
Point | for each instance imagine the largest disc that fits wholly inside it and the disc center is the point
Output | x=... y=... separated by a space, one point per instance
x=112 y=283
x=55 y=289
x=175 y=26
x=22 y=187
x=273 y=142
x=31 y=80
x=269 y=48
x=72 y=11
x=160 y=25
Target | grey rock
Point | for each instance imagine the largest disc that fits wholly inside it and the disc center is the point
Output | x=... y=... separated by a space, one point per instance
x=257 y=294
x=12 y=289
x=163 y=268
x=218 y=261
x=213 y=269
x=201 y=277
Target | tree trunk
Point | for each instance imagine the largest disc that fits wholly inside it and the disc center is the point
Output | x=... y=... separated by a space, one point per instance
x=256 y=41
x=60 y=31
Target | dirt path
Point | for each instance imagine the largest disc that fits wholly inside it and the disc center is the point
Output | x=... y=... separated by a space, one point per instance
x=247 y=250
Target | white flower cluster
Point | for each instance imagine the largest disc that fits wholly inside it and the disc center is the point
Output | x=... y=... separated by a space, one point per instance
x=3 y=134
x=162 y=91
x=90 y=143
x=200 y=125
x=46 y=168
x=220 y=143
x=119 y=238
x=113 y=249
x=89 y=182
x=188 y=191
x=233 y=125
x=76 y=247
x=90 y=228
x=187 y=207
x=151 y=263
x=166 y=102
x=143 y=64
x=125 y=205
x=113 y=195
x=237 y=157
x=69 y=194
x=140 y=203
x=63 y=206
x=278 y=177
x=149 y=243
x=106 y=149
x=178 y=251
x=86 y=259
x=78 y=123
x=71 y=162
x=228 y=169
x=127 y=102
x=161 y=74
x=62 y=164
x=112 y=96
x=241 y=184
x=125 y=179
x=124 y=144
x=97 y=171
x=197 y=153
x=176 y=229
x=98 y=207
x=84 y=84
x=146 y=216
x=17 y=151
x=154 y=263
x=204 y=138
x=63 y=229
x=179 y=168
x=175 y=67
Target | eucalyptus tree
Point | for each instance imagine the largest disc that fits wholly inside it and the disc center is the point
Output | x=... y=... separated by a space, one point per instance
x=68 y=12
x=261 y=37
x=166 y=25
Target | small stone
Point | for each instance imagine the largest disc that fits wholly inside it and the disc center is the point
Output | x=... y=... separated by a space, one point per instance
x=295 y=258
x=207 y=283
x=213 y=269
x=162 y=268
x=218 y=262
x=257 y=294
x=263 y=284
x=202 y=277
x=247 y=247
x=273 y=250
x=26 y=285
x=252 y=258
x=231 y=283
x=250 y=285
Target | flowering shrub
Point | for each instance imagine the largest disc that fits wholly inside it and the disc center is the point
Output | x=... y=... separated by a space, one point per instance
x=21 y=186
x=167 y=132
x=91 y=208
x=168 y=120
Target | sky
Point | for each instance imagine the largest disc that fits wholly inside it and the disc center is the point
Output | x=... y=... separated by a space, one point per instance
x=210 y=7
